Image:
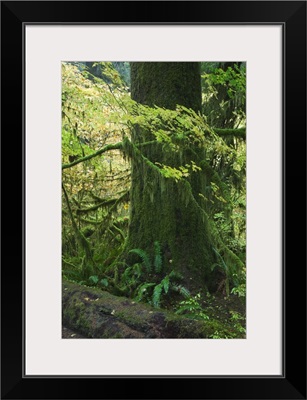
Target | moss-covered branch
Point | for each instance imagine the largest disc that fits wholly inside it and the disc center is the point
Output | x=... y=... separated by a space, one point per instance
x=80 y=237
x=115 y=146
x=105 y=203
x=109 y=147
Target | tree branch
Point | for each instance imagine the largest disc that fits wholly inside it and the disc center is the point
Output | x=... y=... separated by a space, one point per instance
x=116 y=146
x=124 y=197
x=240 y=132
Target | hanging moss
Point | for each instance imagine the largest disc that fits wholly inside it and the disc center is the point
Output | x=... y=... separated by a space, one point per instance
x=88 y=263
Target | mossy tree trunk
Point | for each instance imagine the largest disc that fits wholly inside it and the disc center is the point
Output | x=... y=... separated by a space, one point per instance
x=162 y=209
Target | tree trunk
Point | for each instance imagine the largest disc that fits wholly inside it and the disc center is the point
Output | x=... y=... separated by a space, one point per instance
x=161 y=209
x=93 y=313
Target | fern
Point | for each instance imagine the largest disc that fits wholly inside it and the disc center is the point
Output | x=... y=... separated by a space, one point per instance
x=176 y=276
x=144 y=256
x=137 y=270
x=165 y=283
x=142 y=290
x=157 y=293
x=126 y=277
x=156 y=265
x=156 y=297
x=158 y=258
x=191 y=308
x=181 y=290
x=152 y=291
x=134 y=271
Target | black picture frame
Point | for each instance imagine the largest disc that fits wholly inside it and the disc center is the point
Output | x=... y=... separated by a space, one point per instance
x=292 y=383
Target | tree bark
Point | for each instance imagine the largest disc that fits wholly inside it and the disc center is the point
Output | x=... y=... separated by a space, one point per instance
x=163 y=210
x=93 y=313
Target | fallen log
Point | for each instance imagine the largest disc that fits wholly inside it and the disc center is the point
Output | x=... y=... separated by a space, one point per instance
x=98 y=314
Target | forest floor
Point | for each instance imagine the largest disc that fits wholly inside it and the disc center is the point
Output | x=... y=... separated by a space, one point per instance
x=70 y=334
x=229 y=310
x=220 y=307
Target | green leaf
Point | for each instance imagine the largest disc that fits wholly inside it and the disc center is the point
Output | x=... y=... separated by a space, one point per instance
x=165 y=283
x=144 y=256
x=93 y=279
x=104 y=282
x=156 y=297
x=142 y=290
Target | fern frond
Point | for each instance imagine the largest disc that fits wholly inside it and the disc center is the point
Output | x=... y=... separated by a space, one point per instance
x=137 y=270
x=176 y=276
x=144 y=256
x=158 y=257
x=142 y=290
x=165 y=284
x=181 y=289
x=126 y=276
x=156 y=297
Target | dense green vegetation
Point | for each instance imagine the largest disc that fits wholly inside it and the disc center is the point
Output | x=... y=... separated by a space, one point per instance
x=154 y=197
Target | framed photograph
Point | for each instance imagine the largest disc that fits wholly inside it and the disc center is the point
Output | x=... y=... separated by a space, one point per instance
x=162 y=149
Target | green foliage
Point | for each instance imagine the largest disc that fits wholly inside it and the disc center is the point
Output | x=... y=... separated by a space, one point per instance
x=234 y=279
x=224 y=95
x=191 y=308
x=154 y=265
x=183 y=171
x=152 y=292
x=176 y=129
x=145 y=258
x=237 y=330
x=238 y=320
x=104 y=282
x=232 y=78
x=93 y=279
x=142 y=290
x=156 y=296
x=239 y=290
x=180 y=289
x=149 y=281
x=95 y=211
x=220 y=335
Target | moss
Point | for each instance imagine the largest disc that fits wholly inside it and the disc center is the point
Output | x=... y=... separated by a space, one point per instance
x=179 y=327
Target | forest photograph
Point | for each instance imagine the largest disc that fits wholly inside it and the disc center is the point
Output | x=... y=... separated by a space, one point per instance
x=153 y=200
